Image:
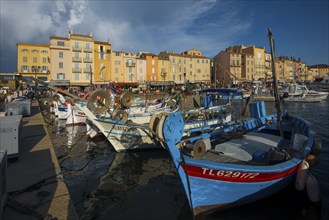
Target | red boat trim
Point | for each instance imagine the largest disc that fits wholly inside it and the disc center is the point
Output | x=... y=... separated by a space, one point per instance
x=235 y=176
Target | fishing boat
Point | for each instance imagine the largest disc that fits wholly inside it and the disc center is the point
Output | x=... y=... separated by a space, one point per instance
x=300 y=93
x=240 y=162
x=244 y=160
x=127 y=131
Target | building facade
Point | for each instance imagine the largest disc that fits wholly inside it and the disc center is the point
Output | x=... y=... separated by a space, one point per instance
x=33 y=61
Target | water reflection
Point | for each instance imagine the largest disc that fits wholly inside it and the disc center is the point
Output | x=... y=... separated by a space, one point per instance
x=104 y=184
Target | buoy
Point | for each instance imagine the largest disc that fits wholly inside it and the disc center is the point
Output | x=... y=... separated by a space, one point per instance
x=316 y=146
x=312 y=188
x=302 y=172
x=312 y=159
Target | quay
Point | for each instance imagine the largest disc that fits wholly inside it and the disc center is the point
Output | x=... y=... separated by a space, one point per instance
x=35 y=186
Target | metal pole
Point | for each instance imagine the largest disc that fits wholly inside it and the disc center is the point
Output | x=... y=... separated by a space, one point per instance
x=275 y=83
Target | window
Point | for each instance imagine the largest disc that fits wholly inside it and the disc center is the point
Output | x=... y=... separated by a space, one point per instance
x=25 y=50
x=60 y=65
x=180 y=69
x=76 y=76
x=35 y=51
x=101 y=49
x=24 y=68
x=198 y=70
x=116 y=79
x=44 y=60
x=184 y=61
x=24 y=59
x=44 y=68
x=60 y=75
x=130 y=69
x=87 y=56
x=173 y=60
x=76 y=55
x=76 y=44
x=60 y=55
x=184 y=70
x=87 y=68
x=117 y=62
x=44 y=51
x=202 y=61
x=173 y=78
x=60 y=43
x=117 y=54
x=140 y=70
x=102 y=56
x=198 y=61
x=87 y=45
x=152 y=62
x=190 y=73
x=206 y=61
x=180 y=77
x=76 y=66
x=190 y=65
x=35 y=59
x=173 y=69
x=87 y=76
x=116 y=70
x=179 y=61
x=153 y=70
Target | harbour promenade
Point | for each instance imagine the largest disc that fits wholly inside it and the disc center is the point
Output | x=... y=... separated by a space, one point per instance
x=36 y=188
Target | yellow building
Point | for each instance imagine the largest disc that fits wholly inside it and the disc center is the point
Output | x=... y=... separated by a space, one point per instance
x=102 y=62
x=33 y=60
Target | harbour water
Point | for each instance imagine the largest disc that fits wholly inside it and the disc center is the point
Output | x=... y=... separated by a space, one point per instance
x=104 y=184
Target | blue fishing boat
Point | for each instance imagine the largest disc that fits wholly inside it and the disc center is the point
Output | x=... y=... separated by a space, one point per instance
x=240 y=162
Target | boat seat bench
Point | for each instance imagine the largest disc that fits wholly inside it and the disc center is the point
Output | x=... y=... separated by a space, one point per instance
x=253 y=146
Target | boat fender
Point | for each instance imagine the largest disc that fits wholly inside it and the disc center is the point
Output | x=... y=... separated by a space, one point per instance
x=200 y=148
x=312 y=159
x=127 y=99
x=312 y=188
x=316 y=146
x=302 y=172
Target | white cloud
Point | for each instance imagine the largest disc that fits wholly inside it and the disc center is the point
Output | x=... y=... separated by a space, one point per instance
x=131 y=25
x=77 y=13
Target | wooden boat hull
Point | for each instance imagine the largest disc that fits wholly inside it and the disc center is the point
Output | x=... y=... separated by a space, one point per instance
x=211 y=185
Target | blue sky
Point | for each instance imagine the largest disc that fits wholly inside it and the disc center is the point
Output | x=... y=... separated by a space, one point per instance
x=300 y=28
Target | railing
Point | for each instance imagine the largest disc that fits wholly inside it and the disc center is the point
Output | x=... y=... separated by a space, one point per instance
x=87 y=60
x=87 y=50
x=130 y=64
x=78 y=49
x=86 y=70
x=76 y=59
x=78 y=70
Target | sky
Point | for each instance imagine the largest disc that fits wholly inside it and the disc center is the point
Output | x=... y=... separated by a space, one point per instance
x=300 y=27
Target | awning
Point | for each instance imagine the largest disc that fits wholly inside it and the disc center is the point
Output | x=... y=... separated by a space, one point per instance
x=59 y=82
x=161 y=83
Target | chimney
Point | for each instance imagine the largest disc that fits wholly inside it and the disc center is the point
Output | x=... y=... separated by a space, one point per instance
x=90 y=34
x=70 y=33
x=108 y=40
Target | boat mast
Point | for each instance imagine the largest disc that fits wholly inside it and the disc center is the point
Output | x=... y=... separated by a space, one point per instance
x=275 y=83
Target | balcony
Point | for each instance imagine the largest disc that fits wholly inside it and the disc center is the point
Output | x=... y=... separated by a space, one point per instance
x=88 y=50
x=87 y=60
x=86 y=70
x=76 y=59
x=76 y=70
x=130 y=64
x=76 y=49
